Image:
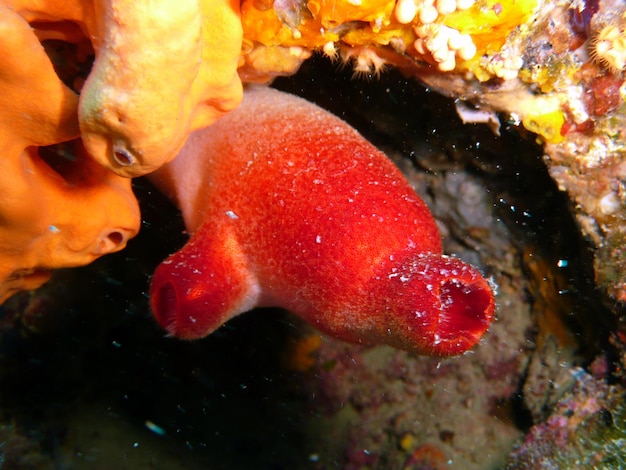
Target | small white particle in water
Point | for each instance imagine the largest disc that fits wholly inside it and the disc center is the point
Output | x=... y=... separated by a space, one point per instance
x=232 y=215
x=318 y=239
x=54 y=229
x=155 y=428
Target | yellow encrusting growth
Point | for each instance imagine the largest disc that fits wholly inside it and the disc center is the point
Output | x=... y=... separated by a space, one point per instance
x=451 y=35
x=547 y=125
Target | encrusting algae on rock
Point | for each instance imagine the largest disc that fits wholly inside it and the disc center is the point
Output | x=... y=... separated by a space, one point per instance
x=450 y=35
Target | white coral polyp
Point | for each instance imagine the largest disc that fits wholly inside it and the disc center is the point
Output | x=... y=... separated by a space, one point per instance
x=444 y=44
x=427 y=11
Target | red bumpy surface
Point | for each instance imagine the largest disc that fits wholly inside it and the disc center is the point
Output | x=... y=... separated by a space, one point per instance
x=289 y=206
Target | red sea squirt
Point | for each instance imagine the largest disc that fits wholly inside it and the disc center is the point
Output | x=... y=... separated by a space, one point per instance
x=289 y=206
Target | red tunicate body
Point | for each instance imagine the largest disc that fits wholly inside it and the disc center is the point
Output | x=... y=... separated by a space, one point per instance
x=291 y=207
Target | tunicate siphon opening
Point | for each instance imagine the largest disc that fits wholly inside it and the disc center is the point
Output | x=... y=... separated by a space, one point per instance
x=466 y=309
x=164 y=304
x=123 y=157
